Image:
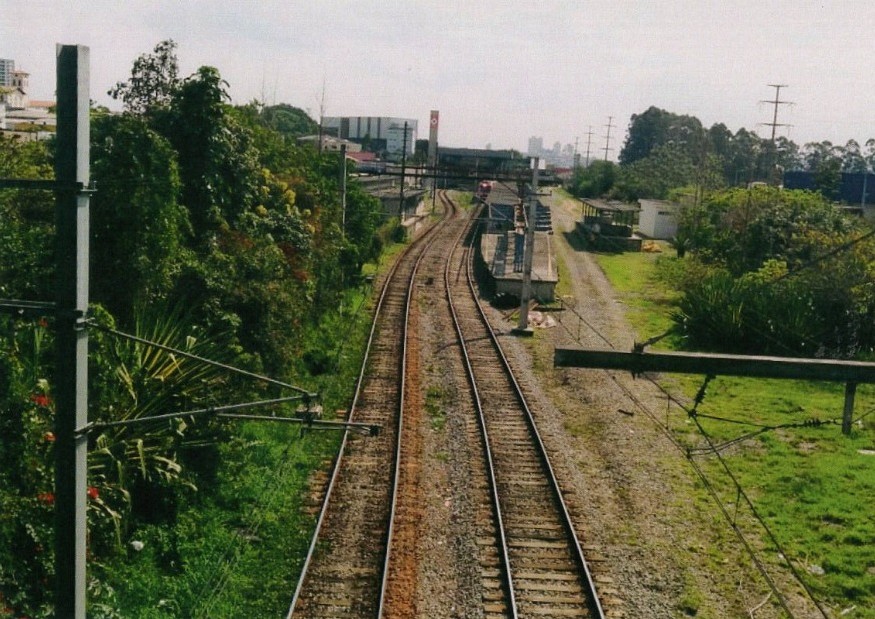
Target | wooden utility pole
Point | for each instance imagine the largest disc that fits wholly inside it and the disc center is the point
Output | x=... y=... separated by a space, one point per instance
x=772 y=171
x=589 y=135
x=774 y=124
x=71 y=379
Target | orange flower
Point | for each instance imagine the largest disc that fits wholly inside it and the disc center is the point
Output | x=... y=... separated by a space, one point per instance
x=46 y=497
x=49 y=437
x=92 y=492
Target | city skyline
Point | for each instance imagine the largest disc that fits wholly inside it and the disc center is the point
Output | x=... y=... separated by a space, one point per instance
x=499 y=72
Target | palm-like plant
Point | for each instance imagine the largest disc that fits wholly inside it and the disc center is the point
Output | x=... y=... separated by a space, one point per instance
x=152 y=380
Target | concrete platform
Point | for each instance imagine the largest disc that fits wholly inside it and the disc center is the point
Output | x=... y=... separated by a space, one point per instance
x=503 y=255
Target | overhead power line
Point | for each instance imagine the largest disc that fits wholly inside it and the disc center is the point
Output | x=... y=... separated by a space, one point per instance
x=776 y=102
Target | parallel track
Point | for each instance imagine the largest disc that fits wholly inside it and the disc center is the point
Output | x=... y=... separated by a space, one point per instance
x=542 y=569
x=344 y=572
x=530 y=560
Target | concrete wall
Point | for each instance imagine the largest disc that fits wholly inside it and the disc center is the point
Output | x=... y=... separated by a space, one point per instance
x=658 y=220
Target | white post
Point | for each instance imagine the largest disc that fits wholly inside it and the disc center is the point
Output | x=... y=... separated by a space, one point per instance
x=529 y=252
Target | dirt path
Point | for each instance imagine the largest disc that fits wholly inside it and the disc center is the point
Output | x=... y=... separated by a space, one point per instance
x=658 y=545
x=664 y=554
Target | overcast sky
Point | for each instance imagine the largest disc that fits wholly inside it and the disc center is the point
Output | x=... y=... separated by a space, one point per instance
x=498 y=71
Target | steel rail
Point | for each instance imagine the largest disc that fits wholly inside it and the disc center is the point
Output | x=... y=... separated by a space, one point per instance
x=397 y=460
x=493 y=483
x=341 y=453
x=592 y=601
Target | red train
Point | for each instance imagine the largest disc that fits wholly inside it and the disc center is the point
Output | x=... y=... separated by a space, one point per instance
x=483 y=190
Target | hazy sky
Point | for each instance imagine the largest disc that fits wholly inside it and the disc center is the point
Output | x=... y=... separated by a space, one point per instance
x=498 y=71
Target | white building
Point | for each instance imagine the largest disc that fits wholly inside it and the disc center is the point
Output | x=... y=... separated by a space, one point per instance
x=21 y=116
x=383 y=128
x=6 y=68
x=658 y=219
x=15 y=94
x=330 y=143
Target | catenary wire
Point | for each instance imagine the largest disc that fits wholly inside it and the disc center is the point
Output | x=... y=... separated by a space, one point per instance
x=668 y=433
x=182 y=353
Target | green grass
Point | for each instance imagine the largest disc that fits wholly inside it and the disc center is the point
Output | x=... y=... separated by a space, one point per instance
x=237 y=551
x=433 y=406
x=812 y=486
x=639 y=277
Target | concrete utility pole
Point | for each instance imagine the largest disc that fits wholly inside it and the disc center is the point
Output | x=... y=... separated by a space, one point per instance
x=71 y=380
x=529 y=253
x=401 y=208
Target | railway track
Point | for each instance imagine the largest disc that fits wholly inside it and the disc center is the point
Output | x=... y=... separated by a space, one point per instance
x=532 y=563
x=344 y=574
x=364 y=559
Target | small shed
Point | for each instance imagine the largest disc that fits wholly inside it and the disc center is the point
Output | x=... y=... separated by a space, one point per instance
x=658 y=219
x=608 y=225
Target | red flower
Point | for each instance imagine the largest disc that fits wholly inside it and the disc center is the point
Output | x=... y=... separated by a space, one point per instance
x=43 y=323
x=46 y=497
x=92 y=492
x=40 y=399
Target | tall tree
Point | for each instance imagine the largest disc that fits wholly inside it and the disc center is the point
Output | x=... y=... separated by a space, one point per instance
x=595 y=180
x=138 y=227
x=218 y=164
x=656 y=127
x=154 y=79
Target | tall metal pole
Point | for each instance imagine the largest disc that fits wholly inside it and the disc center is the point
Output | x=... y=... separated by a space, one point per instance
x=401 y=208
x=71 y=380
x=526 y=291
x=608 y=137
x=343 y=189
x=774 y=125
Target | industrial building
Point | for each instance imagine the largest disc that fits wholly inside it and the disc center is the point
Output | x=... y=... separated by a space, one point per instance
x=376 y=133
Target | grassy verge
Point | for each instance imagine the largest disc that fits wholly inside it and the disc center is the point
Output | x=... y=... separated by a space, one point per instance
x=237 y=549
x=781 y=445
x=641 y=279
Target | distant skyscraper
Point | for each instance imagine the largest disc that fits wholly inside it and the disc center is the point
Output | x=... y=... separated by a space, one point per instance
x=6 y=69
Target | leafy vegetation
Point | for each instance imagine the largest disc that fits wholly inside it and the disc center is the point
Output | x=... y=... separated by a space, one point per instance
x=664 y=151
x=215 y=235
x=809 y=483
x=779 y=272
